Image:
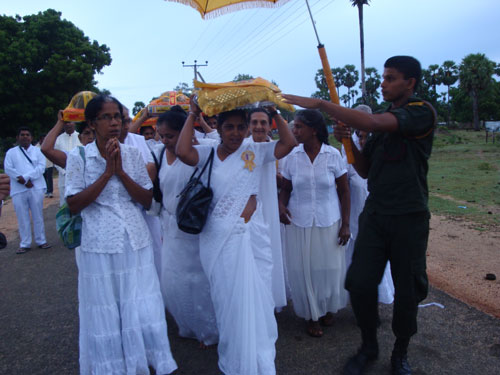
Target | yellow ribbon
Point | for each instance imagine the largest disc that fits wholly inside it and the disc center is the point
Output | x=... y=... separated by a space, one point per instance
x=248 y=157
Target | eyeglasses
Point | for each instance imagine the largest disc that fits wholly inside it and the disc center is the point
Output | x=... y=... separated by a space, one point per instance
x=108 y=118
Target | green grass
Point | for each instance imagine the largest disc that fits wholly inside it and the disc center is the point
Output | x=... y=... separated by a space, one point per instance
x=463 y=171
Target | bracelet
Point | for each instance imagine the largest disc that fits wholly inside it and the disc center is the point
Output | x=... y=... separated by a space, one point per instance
x=192 y=113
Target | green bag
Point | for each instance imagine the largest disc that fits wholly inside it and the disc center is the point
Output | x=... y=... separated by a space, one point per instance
x=69 y=227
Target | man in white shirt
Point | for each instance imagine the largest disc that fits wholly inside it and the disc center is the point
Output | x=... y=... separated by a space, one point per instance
x=66 y=142
x=25 y=165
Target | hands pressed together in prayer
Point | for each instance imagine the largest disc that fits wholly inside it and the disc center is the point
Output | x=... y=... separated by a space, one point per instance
x=113 y=158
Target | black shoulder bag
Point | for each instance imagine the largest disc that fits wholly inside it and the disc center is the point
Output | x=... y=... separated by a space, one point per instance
x=194 y=201
x=157 y=194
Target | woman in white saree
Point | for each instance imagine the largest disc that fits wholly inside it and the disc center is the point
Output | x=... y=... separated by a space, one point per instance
x=184 y=285
x=235 y=248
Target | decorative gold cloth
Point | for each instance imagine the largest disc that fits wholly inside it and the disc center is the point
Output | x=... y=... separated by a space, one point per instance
x=215 y=98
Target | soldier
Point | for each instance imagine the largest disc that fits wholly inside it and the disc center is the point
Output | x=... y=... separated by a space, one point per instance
x=394 y=224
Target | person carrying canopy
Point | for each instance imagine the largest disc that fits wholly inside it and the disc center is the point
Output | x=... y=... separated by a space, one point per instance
x=394 y=224
x=235 y=248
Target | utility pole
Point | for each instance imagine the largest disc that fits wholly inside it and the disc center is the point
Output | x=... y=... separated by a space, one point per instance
x=196 y=72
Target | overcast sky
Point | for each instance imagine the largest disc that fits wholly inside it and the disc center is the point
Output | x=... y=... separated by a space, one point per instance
x=149 y=39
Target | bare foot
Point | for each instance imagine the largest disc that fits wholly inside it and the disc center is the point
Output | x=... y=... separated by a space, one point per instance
x=327 y=320
x=202 y=345
x=314 y=329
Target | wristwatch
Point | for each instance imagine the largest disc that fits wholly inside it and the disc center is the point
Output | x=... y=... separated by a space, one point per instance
x=273 y=113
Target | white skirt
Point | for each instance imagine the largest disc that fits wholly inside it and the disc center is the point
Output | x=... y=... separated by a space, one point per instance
x=316 y=270
x=186 y=291
x=122 y=318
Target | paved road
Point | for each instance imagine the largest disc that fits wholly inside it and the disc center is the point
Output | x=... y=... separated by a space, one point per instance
x=39 y=328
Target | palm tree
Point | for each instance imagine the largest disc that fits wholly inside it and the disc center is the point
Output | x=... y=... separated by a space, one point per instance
x=350 y=77
x=448 y=73
x=476 y=74
x=359 y=4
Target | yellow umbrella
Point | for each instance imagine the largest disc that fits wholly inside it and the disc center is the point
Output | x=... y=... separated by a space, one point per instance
x=214 y=8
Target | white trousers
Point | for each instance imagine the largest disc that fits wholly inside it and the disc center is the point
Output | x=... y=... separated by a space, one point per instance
x=62 y=185
x=30 y=200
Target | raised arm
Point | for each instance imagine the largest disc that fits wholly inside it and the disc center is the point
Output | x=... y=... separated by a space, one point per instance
x=361 y=164
x=384 y=122
x=287 y=141
x=57 y=157
x=184 y=149
x=134 y=126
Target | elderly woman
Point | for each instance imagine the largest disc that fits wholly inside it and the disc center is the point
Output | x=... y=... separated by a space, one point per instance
x=122 y=319
x=315 y=202
x=235 y=248
x=185 y=287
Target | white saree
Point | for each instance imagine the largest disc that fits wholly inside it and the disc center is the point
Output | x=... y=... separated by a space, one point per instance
x=184 y=285
x=237 y=259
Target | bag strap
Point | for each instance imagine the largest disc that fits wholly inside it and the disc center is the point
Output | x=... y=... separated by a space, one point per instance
x=25 y=154
x=82 y=154
x=158 y=163
x=210 y=161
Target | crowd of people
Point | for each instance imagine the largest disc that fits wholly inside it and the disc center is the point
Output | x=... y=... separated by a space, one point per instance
x=290 y=219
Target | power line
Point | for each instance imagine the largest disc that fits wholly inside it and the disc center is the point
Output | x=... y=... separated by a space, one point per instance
x=252 y=38
x=255 y=40
x=251 y=52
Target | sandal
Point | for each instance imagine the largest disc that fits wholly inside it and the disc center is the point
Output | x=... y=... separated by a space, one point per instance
x=22 y=250
x=313 y=329
x=45 y=246
x=327 y=320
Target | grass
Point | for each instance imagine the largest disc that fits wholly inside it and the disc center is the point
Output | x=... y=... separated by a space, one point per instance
x=464 y=171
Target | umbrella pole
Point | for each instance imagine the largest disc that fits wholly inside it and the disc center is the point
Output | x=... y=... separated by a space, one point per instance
x=327 y=71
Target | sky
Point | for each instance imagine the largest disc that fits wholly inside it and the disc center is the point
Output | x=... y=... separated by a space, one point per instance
x=149 y=39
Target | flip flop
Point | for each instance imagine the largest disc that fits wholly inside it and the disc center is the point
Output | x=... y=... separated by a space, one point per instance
x=22 y=250
x=45 y=246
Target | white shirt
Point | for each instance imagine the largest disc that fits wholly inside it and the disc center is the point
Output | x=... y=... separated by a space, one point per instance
x=48 y=163
x=212 y=135
x=314 y=198
x=66 y=143
x=16 y=164
x=113 y=217
x=138 y=141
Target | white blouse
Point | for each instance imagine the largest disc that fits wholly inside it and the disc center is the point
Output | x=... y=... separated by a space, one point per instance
x=113 y=217
x=259 y=153
x=314 y=199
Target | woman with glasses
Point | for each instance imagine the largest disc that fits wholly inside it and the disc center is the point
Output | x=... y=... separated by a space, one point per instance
x=122 y=319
